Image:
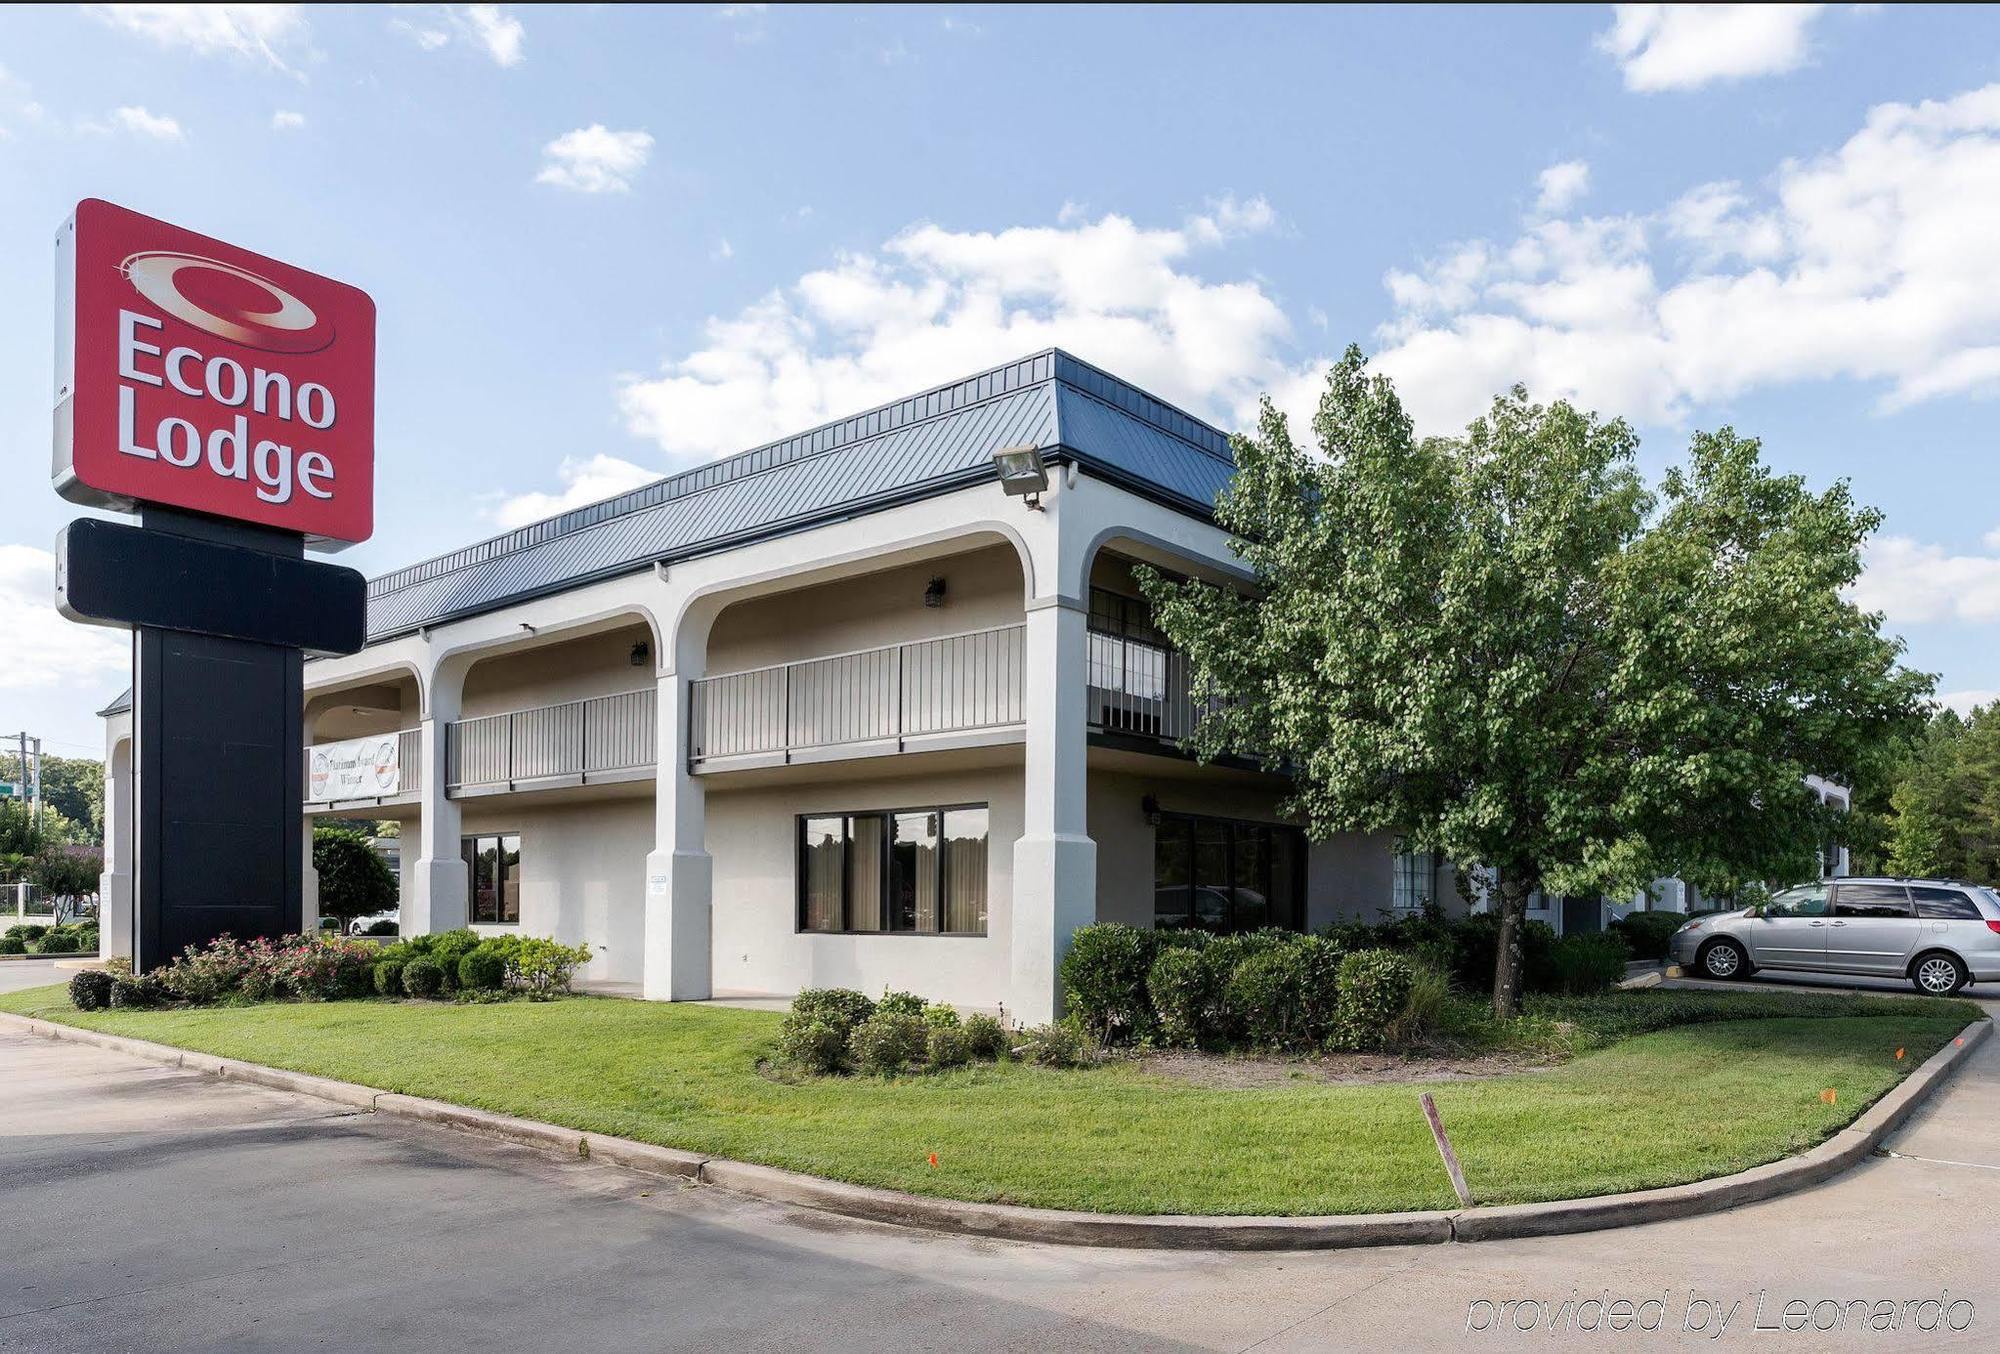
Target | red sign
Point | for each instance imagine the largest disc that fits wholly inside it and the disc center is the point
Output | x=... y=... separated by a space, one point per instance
x=194 y=374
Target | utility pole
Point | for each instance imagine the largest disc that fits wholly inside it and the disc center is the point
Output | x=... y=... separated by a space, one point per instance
x=28 y=783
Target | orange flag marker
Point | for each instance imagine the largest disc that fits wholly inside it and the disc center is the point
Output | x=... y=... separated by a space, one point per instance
x=1899 y=1055
x=1828 y=1096
x=934 y=1161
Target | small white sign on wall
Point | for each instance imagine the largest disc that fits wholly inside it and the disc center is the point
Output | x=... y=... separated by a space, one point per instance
x=359 y=768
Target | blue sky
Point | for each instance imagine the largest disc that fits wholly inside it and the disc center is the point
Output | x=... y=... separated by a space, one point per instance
x=610 y=241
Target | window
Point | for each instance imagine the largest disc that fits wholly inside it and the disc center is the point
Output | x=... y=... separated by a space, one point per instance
x=1415 y=880
x=906 y=872
x=1938 y=904
x=1870 y=900
x=1808 y=900
x=493 y=879
x=1225 y=874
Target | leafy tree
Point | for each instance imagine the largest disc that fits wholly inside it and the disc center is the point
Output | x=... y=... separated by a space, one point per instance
x=20 y=839
x=353 y=880
x=72 y=787
x=1505 y=648
x=64 y=876
x=1945 y=809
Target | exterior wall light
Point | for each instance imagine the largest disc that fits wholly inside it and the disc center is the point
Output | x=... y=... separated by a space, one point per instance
x=934 y=592
x=640 y=653
x=1022 y=473
x=1150 y=806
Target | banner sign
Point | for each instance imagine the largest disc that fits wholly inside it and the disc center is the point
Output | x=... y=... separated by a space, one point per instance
x=360 y=768
x=193 y=374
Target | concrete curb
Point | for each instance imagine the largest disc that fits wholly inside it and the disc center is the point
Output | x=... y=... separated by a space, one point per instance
x=1168 y=1232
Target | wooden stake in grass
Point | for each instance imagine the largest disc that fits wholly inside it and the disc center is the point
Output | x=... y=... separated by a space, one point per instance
x=1444 y=1150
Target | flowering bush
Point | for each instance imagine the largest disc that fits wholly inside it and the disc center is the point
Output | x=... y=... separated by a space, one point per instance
x=542 y=968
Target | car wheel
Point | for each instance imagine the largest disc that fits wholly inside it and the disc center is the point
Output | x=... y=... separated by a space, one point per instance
x=1938 y=975
x=1724 y=959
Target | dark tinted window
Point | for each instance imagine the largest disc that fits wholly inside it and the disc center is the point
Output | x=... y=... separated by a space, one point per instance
x=1225 y=874
x=1870 y=900
x=1944 y=904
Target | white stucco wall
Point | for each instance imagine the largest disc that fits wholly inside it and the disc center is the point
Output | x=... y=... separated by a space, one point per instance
x=583 y=875
x=574 y=669
x=757 y=945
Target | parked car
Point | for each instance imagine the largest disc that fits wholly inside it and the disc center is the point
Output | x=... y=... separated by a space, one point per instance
x=1938 y=933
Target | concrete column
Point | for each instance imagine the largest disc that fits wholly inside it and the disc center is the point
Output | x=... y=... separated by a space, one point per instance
x=1055 y=861
x=679 y=873
x=308 y=885
x=114 y=885
x=436 y=900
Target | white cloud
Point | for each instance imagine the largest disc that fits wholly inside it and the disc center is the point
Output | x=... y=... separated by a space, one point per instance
x=254 y=32
x=594 y=159
x=1875 y=262
x=1559 y=187
x=500 y=33
x=284 y=120
x=932 y=304
x=488 y=28
x=1661 y=47
x=44 y=650
x=139 y=122
x=583 y=482
x=723 y=251
x=1963 y=701
x=1913 y=583
x=746 y=22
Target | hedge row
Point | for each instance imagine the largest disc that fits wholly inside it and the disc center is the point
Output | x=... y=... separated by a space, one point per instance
x=77 y=937
x=1353 y=986
x=832 y=1031
x=328 y=968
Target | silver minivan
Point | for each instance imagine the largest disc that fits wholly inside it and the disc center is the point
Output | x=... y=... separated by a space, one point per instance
x=1939 y=934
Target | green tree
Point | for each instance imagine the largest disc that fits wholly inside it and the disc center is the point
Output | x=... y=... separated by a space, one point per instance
x=1945 y=809
x=72 y=787
x=64 y=876
x=1504 y=648
x=353 y=880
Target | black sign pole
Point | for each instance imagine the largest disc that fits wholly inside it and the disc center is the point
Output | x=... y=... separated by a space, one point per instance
x=220 y=612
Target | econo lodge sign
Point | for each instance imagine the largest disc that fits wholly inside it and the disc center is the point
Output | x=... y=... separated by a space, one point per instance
x=194 y=374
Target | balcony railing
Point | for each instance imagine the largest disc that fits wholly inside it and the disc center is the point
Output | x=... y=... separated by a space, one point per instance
x=884 y=697
x=577 y=740
x=409 y=766
x=1141 y=688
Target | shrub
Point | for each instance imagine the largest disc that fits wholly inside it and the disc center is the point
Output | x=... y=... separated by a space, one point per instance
x=1182 y=988
x=324 y=968
x=1104 y=977
x=1476 y=948
x=1260 y=1000
x=1587 y=963
x=1063 y=1044
x=86 y=940
x=90 y=990
x=420 y=943
x=813 y=1045
x=985 y=1037
x=448 y=947
x=1426 y=1008
x=137 y=991
x=208 y=973
x=423 y=976
x=1647 y=933
x=388 y=976
x=946 y=1046
x=541 y=967
x=901 y=1003
x=841 y=1007
x=382 y=928
x=12 y=944
x=1374 y=990
x=941 y=1017
x=58 y=940
x=888 y=1041
x=30 y=931
x=483 y=969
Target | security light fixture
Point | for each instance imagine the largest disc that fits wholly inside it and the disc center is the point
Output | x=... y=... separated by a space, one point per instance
x=1022 y=474
x=639 y=654
x=934 y=592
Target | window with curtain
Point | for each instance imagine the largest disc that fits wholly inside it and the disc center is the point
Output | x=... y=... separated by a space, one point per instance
x=903 y=872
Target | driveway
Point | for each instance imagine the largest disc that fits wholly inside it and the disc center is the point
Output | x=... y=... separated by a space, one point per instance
x=148 y=1208
x=17 y=975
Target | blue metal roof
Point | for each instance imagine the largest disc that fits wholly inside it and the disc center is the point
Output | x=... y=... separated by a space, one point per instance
x=913 y=448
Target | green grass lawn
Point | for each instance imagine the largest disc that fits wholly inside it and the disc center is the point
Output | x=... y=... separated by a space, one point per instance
x=1657 y=1108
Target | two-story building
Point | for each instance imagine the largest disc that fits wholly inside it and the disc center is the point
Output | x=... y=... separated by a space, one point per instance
x=838 y=710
